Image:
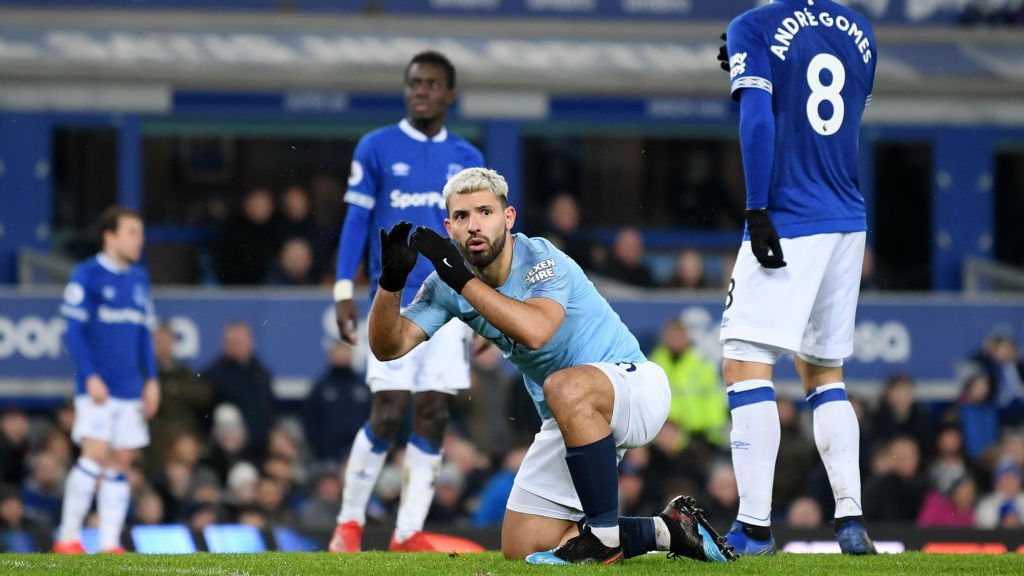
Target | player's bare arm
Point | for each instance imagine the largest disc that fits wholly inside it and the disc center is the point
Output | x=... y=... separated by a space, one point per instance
x=531 y=323
x=391 y=335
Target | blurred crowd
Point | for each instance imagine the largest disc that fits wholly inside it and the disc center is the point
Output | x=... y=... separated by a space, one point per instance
x=225 y=450
x=993 y=13
x=268 y=238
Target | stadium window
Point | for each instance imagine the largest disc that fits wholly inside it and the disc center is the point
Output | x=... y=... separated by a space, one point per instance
x=650 y=182
x=84 y=183
x=902 y=222
x=1009 y=192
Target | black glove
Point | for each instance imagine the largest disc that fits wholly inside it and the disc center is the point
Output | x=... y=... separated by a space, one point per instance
x=397 y=259
x=764 y=238
x=723 y=54
x=445 y=257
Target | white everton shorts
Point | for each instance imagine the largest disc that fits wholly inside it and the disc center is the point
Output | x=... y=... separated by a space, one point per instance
x=807 y=307
x=119 y=422
x=441 y=364
x=543 y=485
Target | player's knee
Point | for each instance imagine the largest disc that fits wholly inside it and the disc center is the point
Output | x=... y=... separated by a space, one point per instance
x=385 y=421
x=432 y=419
x=560 y=392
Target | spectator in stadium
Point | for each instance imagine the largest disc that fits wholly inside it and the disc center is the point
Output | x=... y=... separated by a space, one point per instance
x=295 y=220
x=318 y=513
x=447 y=505
x=688 y=272
x=271 y=501
x=722 y=497
x=979 y=415
x=247 y=240
x=803 y=512
x=574 y=353
x=336 y=407
x=563 y=228
x=950 y=506
x=148 y=509
x=240 y=378
x=107 y=308
x=14 y=445
x=42 y=490
x=899 y=413
x=1000 y=357
x=949 y=463
x=802 y=199
x=490 y=507
x=699 y=406
x=229 y=440
x=241 y=485
x=1006 y=499
x=626 y=262
x=895 y=492
x=13 y=516
x=396 y=174
x=294 y=265
x=187 y=398
x=481 y=414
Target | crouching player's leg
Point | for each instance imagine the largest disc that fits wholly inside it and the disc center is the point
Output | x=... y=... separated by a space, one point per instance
x=569 y=474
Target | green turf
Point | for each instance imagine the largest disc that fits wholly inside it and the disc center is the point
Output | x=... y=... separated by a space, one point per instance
x=492 y=564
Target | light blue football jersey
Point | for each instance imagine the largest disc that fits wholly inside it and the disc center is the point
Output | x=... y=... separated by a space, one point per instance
x=109 y=312
x=398 y=174
x=817 y=59
x=590 y=332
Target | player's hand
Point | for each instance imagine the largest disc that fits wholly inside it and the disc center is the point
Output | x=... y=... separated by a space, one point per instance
x=723 y=54
x=347 y=316
x=397 y=259
x=97 y=389
x=445 y=257
x=764 y=240
x=150 y=398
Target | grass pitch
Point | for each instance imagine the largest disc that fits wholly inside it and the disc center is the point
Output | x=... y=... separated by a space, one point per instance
x=493 y=564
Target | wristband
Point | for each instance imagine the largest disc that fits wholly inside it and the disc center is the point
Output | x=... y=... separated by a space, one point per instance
x=342 y=290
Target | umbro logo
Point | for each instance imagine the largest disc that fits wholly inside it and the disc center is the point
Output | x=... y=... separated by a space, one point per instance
x=400 y=169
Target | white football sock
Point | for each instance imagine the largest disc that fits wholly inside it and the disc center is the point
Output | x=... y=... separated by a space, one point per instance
x=608 y=535
x=662 y=536
x=112 y=504
x=837 y=435
x=419 y=472
x=755 y=446
x=361 y=472
x=79 y=489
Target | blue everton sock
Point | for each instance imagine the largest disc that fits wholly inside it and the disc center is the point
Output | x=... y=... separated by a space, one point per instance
x=596 y=479
x=636 y=535
x=377 y=445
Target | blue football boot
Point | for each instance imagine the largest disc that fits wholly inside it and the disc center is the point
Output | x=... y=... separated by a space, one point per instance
x=853 y=538
x=744 y=545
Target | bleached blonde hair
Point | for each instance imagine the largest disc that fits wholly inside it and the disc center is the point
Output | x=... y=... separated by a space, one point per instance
x=472 y=179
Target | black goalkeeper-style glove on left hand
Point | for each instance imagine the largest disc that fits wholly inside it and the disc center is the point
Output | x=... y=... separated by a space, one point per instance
x=723 y=54
x=397 y=259
x=445 y=257
x=764 y=240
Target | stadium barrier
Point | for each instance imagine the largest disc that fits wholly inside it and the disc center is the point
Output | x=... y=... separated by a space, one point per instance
x=927 y=336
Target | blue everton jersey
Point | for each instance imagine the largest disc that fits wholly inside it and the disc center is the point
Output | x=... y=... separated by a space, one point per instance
x=109 y=312
x=591 y=331
x=398 y=174
x=817 y=60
